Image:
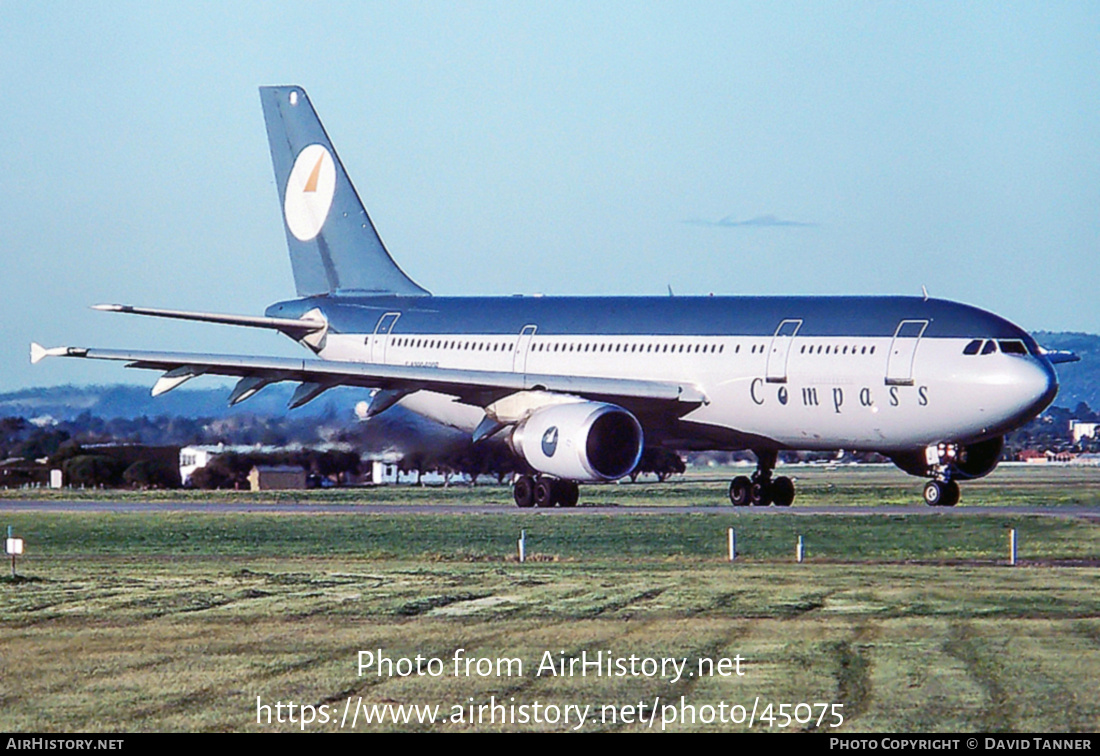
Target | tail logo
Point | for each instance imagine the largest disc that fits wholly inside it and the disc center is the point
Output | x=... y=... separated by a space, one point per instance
x=309 y=192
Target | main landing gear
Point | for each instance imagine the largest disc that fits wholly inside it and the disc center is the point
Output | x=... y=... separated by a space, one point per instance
x=761 y=489
x=544 y=491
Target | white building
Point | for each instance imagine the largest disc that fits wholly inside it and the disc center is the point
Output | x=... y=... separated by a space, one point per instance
x=382 y=471
x=194 y=457
x=1081 y=430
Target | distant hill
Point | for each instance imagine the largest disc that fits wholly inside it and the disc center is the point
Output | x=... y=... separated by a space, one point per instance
x=1080 y=382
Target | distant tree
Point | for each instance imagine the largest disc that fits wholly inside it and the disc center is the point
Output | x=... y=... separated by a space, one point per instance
x=149 y=473
x=41 y=443
x=93 y=470
x=66 y=451
x=416 y=462
x=209 y=478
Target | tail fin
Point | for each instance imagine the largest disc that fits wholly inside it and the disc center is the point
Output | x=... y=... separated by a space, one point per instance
x=334 y=247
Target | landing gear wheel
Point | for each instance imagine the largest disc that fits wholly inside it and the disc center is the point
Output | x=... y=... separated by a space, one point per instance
x=935 y=492
x=760 y=494
x=545 y=495
x=568 y=493
x=523 y=491
x=739 y=491
x=951 y=494
x=782 y=491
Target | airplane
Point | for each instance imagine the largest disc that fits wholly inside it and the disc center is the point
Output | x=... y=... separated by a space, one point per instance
x=579 y=386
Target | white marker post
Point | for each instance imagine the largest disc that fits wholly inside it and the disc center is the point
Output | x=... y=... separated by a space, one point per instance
x=799 y=550
x=13 y=546
x=1012 y=547
x=732 y=538
x=522 y=546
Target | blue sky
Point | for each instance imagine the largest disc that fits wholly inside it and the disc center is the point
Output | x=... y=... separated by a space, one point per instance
x=563 y=148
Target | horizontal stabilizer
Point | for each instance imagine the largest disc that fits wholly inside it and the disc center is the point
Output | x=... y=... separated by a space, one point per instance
x=294 y=328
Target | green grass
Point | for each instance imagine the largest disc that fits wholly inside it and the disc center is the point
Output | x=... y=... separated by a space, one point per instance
x=577 y=537
x=855 y=486
x=161 y=644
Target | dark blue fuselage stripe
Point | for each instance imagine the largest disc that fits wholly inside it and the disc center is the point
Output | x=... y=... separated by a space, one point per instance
x=654 y=316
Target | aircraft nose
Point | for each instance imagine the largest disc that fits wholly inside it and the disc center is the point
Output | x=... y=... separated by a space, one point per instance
x=1038 y=386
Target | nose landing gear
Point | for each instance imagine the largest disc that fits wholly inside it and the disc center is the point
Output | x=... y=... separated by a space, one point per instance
x=941 y=493
x=761 y=489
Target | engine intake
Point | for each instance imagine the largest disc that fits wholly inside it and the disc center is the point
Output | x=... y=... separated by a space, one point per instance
x=588 y=441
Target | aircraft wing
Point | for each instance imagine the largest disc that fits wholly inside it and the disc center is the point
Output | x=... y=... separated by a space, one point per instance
x=476 y=387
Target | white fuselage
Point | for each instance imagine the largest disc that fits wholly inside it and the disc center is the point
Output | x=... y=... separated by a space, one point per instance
x=809 y=393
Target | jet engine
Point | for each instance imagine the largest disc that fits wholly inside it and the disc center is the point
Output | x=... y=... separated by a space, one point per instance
x=582 y=441
x=967 y=461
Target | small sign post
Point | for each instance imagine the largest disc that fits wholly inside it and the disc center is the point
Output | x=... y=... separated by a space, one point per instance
x=522 y=546
x=13 y=546
x=732 y=538
x=800 y=550
x=1012 y=553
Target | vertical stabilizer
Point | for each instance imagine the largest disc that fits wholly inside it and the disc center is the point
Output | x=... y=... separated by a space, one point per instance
x=334 y=247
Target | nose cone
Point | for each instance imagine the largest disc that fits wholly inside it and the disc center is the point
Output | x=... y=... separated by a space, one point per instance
x=1037 y=384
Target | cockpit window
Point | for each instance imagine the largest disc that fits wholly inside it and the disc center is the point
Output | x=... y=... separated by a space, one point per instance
x=990 y=347
x=973 y=347
x=1013 y=347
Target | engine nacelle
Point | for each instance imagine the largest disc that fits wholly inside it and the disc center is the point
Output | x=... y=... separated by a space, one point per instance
x=587 y=441
x=967 y=461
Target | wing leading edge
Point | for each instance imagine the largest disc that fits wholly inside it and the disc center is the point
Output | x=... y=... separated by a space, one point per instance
x=476 y=387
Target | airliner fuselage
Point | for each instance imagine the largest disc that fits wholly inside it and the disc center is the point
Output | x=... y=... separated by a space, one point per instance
x=861 y=373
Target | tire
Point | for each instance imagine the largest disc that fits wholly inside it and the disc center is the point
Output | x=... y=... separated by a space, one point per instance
x=569 y=493
x=739 y=491
x=934 y=493
x=951 y=494
x=760 y=494
x=523 y=491
x=545 y=495
x=782 y=491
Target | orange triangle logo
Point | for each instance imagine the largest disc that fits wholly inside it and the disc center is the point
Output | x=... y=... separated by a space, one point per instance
x=311 y=184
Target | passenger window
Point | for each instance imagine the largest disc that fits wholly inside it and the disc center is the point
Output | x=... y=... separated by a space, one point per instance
x=990 y=347
x=973 y=347
x=1013 y=347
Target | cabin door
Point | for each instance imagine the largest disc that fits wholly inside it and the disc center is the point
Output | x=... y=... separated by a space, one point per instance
x=781 y=348
x=899 y=365
x=523 y=345
x=381 y=337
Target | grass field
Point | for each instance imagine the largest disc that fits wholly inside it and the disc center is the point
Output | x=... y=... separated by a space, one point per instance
x=913 y=623
x=856 y=486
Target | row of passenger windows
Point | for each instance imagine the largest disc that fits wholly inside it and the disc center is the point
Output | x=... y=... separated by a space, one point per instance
x=573 y=347
x=620 y=347
x=809 y=349
x=1008 y=346
x=480 y=346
